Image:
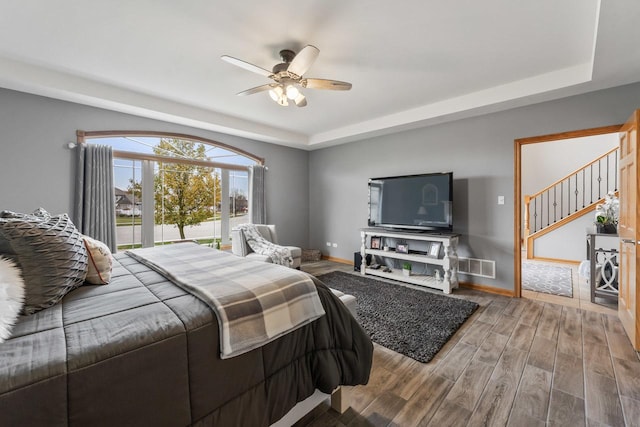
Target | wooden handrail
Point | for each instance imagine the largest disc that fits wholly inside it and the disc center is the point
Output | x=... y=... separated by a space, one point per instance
x=533 y=196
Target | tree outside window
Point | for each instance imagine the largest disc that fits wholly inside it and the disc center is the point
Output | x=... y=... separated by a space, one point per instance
x=185 y=194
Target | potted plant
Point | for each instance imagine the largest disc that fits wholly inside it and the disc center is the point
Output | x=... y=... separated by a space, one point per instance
x=607 y=214
x=406 y=269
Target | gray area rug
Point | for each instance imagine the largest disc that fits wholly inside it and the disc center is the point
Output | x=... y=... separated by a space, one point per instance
x=413 y=322
x=549 y=279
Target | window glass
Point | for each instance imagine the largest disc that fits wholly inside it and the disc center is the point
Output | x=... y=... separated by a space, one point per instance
x=193 y=182
x=127 y=176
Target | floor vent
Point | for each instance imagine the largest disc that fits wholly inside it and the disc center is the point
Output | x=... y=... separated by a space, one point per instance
x=477 y=267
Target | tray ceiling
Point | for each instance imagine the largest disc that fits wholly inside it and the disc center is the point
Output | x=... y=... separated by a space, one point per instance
x=422 y=63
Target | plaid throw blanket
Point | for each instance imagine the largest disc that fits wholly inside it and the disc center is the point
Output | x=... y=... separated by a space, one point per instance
x=255 y=302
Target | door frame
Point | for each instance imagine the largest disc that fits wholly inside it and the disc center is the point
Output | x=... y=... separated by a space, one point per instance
x=517 y=220
x=628 y=311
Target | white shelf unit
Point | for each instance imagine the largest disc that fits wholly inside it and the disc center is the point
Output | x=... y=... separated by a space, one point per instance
x=447 y=257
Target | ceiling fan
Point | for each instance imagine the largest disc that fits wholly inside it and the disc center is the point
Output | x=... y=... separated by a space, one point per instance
x=288 y=76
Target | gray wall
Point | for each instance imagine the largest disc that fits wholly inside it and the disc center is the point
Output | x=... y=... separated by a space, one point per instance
x=568 y=242
x=479 y=151
x=322 y=195
x=36 y=168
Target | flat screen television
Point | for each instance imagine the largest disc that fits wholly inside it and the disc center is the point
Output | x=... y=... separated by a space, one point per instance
x=413 y=202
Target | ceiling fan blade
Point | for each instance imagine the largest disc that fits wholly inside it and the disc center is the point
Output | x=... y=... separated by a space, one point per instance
x=325 y=84
x=303 y=60
x=257 y=89
x=301 y=100
x=247 y=66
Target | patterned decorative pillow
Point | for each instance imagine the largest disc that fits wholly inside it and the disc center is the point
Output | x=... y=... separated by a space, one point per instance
x=100 y=262
x=11 y=296
x=7 y=216
x=51 y=253
x=39 y=213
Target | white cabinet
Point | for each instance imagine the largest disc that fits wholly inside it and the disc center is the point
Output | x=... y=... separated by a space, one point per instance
x=429 y=253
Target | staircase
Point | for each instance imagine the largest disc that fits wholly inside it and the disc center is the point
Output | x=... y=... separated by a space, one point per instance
x=569 y=198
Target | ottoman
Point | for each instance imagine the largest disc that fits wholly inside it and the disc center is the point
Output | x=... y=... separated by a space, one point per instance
x=348 y=300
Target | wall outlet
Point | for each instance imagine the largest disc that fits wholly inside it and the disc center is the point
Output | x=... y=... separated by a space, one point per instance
x=335 y=245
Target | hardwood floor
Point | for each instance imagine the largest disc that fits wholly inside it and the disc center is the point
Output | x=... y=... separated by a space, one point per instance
x=515 y=362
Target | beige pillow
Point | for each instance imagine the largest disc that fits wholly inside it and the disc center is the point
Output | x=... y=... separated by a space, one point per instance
x=100 y=262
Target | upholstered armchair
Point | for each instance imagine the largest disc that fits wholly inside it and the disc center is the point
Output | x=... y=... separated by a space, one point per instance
x=240 y=247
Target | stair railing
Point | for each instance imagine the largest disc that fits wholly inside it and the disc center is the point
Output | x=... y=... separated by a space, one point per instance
x=571 y=194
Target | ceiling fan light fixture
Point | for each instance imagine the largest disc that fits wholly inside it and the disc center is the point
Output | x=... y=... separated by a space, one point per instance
x=292 y=92
x=288 y=77
x=283 y=101
x=276 y=93
x=300 y=100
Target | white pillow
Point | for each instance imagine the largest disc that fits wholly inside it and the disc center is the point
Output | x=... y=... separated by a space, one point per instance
x=11 y=296
x=100 y=262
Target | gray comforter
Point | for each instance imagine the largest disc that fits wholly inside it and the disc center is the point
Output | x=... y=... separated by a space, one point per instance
x=142 y=351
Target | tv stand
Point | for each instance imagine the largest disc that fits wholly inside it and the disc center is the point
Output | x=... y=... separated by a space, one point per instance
x=445 y=256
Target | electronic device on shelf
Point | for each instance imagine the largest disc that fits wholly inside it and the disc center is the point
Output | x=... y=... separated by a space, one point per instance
x=412 y=202
x=411 y=251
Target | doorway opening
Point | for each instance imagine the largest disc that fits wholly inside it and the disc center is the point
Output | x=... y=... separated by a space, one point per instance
x=554 y=208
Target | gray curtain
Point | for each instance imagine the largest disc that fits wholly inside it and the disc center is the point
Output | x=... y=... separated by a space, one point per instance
x=258 y=210
x=94 y=210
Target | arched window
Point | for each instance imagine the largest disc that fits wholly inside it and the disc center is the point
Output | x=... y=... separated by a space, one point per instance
x=172 y=187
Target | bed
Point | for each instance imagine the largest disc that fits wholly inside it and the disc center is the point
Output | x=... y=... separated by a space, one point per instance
x=144 y=351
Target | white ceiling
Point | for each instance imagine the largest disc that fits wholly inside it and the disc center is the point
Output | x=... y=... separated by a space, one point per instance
x=412 y=62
